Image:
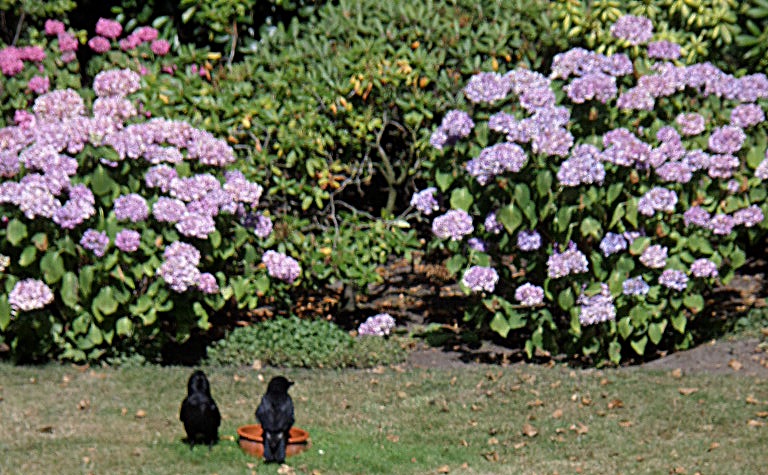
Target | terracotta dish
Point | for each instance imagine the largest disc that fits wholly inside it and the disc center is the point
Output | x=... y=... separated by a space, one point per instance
x=252 y=442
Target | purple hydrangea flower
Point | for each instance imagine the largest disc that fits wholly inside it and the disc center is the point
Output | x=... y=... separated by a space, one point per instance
x=281 y=266
x=704 y=268
x=697 y=216
x=131 y=207
x=612 y=243
x=495 y=160
x=623 y=148
x=146 y=33
x=95 y=241
x=552 y=141
x=748 y=217
x=721 y=224
x=196 y=225
x=747 y=115
x=197 y=186
x=108 y=28
x=663 y=50
x=99 y=44
x=206 y=283
x=674 y=279
x=477 y=244
x=583 y=167
x=571 y=261
x=528 y=240
x=636 y=98
x=454 y=224
x=29 y=294
x=160 y=176
x=529 y=295
x=761 y=171
x=597 y=308
x=690 y=124
x=160 y=47
x=39 y=84
x=491 y=224
x=677 y=172
x=53 y=27
x=168 y=210
x=635 y=286
x=599 y=86
x=263 y=226
x=654 y=256
x=128 y=240
x=77 y=210
x=242 y=190
x=116 y=82
x=59 y=104
x=727 y=139
x=179 y=270
x=487 y=87
x=480 y=279
x=634 y=29
x=425 y=201
x=657 y=199
x=456 y=124
x=381 y=324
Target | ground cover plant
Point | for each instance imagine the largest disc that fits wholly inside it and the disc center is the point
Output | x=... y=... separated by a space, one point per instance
x=595 y=204
x=516 y=420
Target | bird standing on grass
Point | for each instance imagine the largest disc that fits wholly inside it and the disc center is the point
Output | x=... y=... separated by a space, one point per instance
x=199 y=413
x=275 y=413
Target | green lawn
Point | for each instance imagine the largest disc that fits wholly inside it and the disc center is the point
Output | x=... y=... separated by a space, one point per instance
x=60 y=419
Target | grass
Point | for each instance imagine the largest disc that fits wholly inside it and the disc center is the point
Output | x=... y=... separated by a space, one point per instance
x=69 y=420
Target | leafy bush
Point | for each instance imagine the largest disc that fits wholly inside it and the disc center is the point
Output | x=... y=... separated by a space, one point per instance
x=580 y=179
x=119 y=228
x=304 y=343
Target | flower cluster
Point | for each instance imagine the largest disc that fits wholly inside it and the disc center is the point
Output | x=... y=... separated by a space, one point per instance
x=597 y=308
x=571 y=261
x=480 y=279
x=179 y=269
x=425 y=201
x=29 y=294
x=454 y=224
x=381 y=324
x=657 y=199
x=495 y=160
x=634 y=29
x=654 y=256
x=528 y=240
x=612 y=243
x=281 y=266
x=635 y=286
x=529 y=295
x=674 y=279
x=456 y=125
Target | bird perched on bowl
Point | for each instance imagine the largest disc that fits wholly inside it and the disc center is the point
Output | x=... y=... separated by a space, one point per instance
x=199 y=412
x=275 y=413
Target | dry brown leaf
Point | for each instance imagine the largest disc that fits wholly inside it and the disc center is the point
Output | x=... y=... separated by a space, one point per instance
x=762 y=414
x=678 y=470
x=443 y=469
x=493 y=441
x=752 y=400
x=229 y=438
x=286 y=470
x=625 y=424
x=84 y=404
x=519 y=445
x=535 y=403
x=735 y=364
x=464 y=443
x=491 y=456
x=604 y=382
x=713 y=446
x=755 y=423
x=580 y=429
x=46 y=429
x=123 y=411
x=557 y=414
x=393 y=438
x=402 y=394
x=687 y=391
x=677 y=373
x=453 y=381
x=586 y=400
x=378 y=370
x=257 y=365
x=140 y=414
x=529 y=430
x=616 y=404
x=764 y=331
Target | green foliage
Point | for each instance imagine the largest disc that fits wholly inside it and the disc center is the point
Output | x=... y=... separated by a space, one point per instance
x=293 y=342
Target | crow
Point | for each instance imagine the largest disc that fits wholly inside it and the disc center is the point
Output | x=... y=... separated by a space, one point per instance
x=275 y=413
x=199 y=413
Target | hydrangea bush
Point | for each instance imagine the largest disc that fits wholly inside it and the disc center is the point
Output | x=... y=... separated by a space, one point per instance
x=121 y=227
x=590 y=208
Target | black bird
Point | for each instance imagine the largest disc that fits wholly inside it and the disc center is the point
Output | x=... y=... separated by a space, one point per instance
x=275 y=413
x=199 y=413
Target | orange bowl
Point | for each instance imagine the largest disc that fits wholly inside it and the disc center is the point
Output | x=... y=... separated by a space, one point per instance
x=251 y=440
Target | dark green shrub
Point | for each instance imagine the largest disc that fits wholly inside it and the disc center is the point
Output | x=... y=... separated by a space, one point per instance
x=304 y=343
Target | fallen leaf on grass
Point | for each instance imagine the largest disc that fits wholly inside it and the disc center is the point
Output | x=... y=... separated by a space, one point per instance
x=586 y=400
x=557 y=414
x=625 y=424
x=286 y=470
x=229 y=438
x=491 y=456
x=123 y=411
x=687 y=391
x=678 y=470
x=735 y=364
x=677 y=373
x=604 y=382
x=238 y=378
x=393 y=438
x=713 y=446
x=616 y=404
x=443 y=469
x=762 y=414
x=46 y=430
x=752 y=400
x=493 y=441
x=83 y=404
x=536 y=403
x=529 y=430
x=580 y=429
x=140 y=414
x=519 y=445
x=755 y=423
x=402 y=394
